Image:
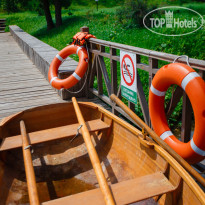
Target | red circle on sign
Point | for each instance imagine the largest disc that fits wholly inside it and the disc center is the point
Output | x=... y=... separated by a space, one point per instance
x=132 y=79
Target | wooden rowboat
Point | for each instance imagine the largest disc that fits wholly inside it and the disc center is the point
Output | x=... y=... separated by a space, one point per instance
x=135 y=168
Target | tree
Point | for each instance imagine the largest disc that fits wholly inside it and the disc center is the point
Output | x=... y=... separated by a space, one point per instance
x=13 y=5
x=48 y=16
x=58 y=7
x=9 y=5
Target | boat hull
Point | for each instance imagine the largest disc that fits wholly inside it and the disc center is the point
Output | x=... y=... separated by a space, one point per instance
x=63 y=169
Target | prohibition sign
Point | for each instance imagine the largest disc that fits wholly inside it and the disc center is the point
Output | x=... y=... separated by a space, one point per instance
x=131 y=75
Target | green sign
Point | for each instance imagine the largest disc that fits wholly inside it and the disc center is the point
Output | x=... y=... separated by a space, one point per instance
x=129 y=94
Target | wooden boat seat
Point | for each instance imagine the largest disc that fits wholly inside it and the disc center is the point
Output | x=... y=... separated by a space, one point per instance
x=125 y=192
x=51 y=134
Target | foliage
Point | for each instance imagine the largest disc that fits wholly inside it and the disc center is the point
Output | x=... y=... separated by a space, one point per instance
x=36 y=6
x=66 y=3
x=12 y=6
x=103 y=3
x=9 y=5
x=132 y=13
x=105 y=25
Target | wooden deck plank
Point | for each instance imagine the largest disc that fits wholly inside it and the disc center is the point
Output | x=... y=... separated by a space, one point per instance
x=29 y=101
x=18 y=103
x=125 y=192
x=26 y=73
x=17 y=97
x=14 y=65
x=22 y=82
x=25 y=90
x=23 y=62
x=14 y=74
x=22 y=85
x=16 y=59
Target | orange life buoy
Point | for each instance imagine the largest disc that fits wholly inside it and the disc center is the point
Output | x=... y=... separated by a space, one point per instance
x=194 y=86
x=76 y=76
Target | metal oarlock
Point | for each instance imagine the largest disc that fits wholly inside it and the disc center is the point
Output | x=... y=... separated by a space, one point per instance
x=77 y=134
x=27 y=147
x=31 y=149
x=187 y=59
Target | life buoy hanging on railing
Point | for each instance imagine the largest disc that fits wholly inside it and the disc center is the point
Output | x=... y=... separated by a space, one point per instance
x=194 y=86
x=77 y=47
x=76 y=76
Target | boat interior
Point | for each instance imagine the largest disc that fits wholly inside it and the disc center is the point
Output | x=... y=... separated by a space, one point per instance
x=135 y=169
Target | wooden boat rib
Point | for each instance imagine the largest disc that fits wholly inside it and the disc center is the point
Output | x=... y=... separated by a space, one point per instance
x=137 y=170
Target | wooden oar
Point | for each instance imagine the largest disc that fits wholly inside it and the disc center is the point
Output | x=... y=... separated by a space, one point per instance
x=93 y=156
x=155 y=137
x=30 y=175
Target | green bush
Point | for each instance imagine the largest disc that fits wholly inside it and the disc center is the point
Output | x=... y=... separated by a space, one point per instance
x=9 y=5
x=36 y=6
x=131 y=14
x=101 y=3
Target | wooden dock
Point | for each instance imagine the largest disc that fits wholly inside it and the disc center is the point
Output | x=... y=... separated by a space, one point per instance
x=22 y=86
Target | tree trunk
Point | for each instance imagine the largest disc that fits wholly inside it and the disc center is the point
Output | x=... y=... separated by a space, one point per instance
x=47 y=12
x=58 y=13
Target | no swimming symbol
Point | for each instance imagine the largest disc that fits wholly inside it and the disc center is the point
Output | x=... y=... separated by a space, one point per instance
x=128 y=70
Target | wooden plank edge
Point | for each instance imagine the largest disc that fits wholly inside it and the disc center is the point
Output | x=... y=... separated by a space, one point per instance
x=124 y=192
x=16 y=142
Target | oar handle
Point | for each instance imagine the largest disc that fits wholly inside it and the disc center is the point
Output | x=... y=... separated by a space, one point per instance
x=93 y=156
x=156 y=138
x=30 y=175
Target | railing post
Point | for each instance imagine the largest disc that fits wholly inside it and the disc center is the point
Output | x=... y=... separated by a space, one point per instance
x=87 y=92
x=176 y=96
x=84 y=29
x=99 y=78
x=153 y=63
x=102 y=49
x=186 y=119
x=131 y=106
x=202 y=74
x=113 y=68
x=138 y=59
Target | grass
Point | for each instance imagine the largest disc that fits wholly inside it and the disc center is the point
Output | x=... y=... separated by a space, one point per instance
x=104 y=25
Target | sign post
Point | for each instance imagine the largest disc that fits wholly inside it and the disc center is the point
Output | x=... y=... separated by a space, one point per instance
x=97 y=4
x=128 y=76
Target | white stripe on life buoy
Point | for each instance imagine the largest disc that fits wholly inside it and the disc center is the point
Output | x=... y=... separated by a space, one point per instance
x=59 y=57
x=197 y=149
x=157 y=92
x=166 y=134
x=189 y=77
x=52 y=79
x=79 y=48
x=76 y=76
